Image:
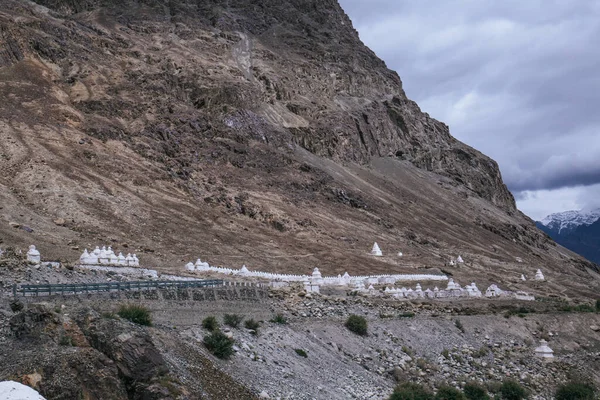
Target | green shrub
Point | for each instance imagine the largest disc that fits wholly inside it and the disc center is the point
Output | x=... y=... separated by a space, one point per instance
x=279 y=319
x=406 y=315
x=449 y=393
x=446 y=354
x=459 y=325
x=137 y=314
x=251 y=324
x=219 y=344
x=301 y=353
x=474 y=391
x=66 y=340
x=482 y=352
x=584 y=308
x=512 y=390
x=232 y=320
x=357 y=324
x=411 y=391
x=575 y=391
x=109 y=315
x=598 y=305
x=210 y=323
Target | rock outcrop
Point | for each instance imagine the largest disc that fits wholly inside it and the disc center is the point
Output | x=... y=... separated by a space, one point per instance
x=162 y=126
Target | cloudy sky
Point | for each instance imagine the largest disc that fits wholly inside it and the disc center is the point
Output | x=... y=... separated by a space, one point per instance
x=518 y=80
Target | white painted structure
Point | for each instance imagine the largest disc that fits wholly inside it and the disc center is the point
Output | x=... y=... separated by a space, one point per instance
x=523 y=277
x=10 y=390
x=316 y=277
x=376 y=251
x=459 y=260
x=539 y=276
x=33 y=255
x=104 y=256
x=544 y=351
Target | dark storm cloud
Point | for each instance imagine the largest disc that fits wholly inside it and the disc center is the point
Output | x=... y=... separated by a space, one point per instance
x=518 y=80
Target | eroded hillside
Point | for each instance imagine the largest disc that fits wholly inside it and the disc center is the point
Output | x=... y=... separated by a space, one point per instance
x=262 y=133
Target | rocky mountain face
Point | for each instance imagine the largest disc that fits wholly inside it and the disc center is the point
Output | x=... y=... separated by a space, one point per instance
x=262 y=133
x=578 y=231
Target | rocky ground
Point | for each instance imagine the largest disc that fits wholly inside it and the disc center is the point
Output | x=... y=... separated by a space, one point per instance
x=68 y=349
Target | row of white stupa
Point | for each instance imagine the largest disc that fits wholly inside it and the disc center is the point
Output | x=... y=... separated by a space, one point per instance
x=104 y=256
x=376 y=251
x=316 y=278
x=453 y=290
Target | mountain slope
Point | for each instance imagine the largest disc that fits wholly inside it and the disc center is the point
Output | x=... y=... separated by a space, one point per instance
x=259 y=133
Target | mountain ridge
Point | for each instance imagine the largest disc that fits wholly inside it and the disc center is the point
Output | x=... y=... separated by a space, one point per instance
x=578 y=231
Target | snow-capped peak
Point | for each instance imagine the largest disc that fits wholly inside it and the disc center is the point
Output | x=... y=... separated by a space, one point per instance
x=571 y=219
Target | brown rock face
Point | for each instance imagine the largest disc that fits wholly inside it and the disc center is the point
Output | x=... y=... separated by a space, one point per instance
x=249 y=132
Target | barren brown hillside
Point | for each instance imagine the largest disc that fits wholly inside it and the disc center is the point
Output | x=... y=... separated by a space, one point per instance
x=259 y=133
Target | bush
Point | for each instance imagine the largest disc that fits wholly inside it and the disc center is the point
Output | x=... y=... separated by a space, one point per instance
x=449 y=393
x=459 y=325
x=512 y=390
x=473 y=391
x=210 y=323
x=598 y=305
x=301 y=353
x=219 y=344
x=357 y=324
x=251 y=324
x=232 y=320
x=279 y=319
x=411 y=391
x=137 y=314
x=575 y=391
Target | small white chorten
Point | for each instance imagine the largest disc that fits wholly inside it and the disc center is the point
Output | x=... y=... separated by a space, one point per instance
x=376 y=251
x=539 y=276
x=190 y=266
x=33 y=255
x=244 y=271
x=523 y=277
x=400 y=254
x=544 y=351
x=459 y=260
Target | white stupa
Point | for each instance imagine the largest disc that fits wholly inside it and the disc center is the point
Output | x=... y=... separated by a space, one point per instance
x=400 y=254
x=317 y=278
x=190 y=266
x=539 y=276
x=121 y=259
x=103 y=256
x=376 y=251
x=33 y=255
x=523 y=277
x=493 y=291
x=243 y=271
x=544 y=351
x=452 y=263
x=113 y=259
x=136 y=261
x=459 y=260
